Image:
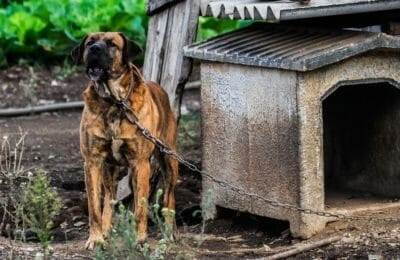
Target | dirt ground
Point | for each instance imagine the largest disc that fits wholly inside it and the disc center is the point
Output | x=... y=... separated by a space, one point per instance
x=52 y=144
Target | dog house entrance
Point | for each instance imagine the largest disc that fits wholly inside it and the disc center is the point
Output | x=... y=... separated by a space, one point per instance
x=361 y=130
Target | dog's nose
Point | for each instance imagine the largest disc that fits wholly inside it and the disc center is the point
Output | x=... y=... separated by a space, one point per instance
x=95 y=48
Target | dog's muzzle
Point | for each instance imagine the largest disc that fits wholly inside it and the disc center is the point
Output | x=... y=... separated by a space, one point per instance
x=95 y=73
x=97 y=62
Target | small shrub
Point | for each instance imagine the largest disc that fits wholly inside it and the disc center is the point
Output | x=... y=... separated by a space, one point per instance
x=40 y=205
x=12 y=175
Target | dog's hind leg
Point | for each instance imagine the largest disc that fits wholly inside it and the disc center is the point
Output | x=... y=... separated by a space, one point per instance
x=110 y=176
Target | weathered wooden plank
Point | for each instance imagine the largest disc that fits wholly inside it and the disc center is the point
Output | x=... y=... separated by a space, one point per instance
x=154 y=6
x=170 y=30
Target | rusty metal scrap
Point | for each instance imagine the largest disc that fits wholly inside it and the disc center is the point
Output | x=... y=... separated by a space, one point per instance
x=291 y=10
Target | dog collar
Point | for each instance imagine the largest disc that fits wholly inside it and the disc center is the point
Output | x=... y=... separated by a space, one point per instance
x=121 y=104
x=103 y=90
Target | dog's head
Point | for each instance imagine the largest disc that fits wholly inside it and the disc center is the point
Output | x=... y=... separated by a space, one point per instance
x=105 y=54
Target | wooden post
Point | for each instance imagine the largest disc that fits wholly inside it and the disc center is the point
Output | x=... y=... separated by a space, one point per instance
x=173 y=24
x=154 y=6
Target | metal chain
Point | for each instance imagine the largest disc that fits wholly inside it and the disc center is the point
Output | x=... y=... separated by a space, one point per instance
x=166 y=150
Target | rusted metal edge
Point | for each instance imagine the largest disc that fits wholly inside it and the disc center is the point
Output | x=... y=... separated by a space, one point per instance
x=283 y=47
x=155 y=6
x=285 y=10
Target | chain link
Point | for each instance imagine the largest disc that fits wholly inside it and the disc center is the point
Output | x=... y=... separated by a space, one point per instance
x=165 y=149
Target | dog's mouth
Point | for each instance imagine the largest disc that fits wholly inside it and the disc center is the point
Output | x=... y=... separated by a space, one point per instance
x=96 y=73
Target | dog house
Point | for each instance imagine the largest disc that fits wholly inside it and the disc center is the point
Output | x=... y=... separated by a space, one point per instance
x=307 y=117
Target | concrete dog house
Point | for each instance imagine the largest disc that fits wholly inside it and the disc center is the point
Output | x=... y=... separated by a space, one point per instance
x=305 y=117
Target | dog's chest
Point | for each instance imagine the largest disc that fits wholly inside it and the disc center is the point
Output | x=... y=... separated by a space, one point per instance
x=114 y=128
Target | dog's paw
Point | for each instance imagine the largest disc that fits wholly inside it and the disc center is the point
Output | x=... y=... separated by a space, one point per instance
x=141 y=238
x=141 y=245
x=93 y=241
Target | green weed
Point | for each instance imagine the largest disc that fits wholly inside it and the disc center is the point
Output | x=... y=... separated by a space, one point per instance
x=203 y=213
x=122 y=238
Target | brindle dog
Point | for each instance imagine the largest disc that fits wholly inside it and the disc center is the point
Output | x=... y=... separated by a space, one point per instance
x=108 y=140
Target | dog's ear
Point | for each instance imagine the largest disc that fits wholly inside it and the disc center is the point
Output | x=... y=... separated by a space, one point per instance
x=77 y=52
x=131 y=49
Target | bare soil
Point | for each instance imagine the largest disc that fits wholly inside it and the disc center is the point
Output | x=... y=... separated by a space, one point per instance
x=52 y=144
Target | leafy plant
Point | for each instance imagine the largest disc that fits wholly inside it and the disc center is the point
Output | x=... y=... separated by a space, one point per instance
x=41 y=204
x=47 y=29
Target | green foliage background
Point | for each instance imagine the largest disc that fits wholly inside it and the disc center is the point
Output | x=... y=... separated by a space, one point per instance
x=211 y=27
x=47 y=29
x=44 y=31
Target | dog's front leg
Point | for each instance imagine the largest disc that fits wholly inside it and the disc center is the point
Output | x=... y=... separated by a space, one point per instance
x=93 y=175
x=140 y=183
x=110 y=181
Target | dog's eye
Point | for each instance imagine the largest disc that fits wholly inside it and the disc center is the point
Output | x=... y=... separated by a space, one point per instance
x=111 y=44
x=90 y=42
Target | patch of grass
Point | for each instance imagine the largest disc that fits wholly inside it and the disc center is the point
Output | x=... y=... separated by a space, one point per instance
x=122 y=243
x=122 y=237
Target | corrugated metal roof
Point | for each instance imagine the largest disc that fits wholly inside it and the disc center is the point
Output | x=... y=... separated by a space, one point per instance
x=288 y=10
x=292 y=48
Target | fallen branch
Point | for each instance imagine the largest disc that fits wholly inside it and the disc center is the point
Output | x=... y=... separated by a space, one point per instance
x=39 y=109
x=205 y=237
x=304 y=247
x=9 y=112
x=237 y=251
